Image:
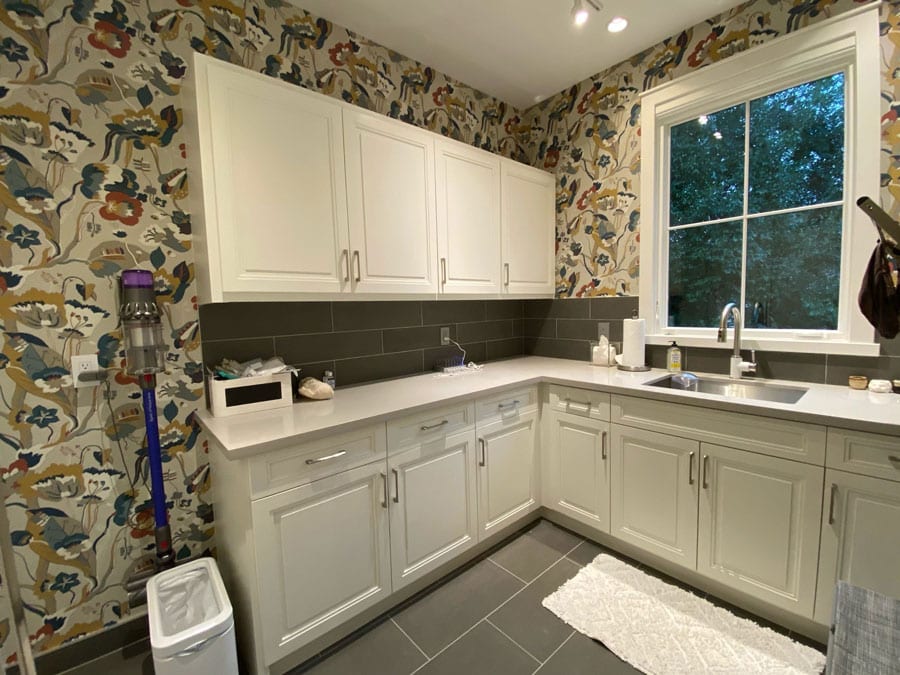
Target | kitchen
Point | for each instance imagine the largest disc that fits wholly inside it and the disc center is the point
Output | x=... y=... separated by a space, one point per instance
x=97 y=109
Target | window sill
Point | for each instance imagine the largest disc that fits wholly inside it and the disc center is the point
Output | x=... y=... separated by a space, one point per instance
x=789 y=345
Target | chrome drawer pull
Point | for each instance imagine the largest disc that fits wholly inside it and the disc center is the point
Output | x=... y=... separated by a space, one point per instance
x=603 y=446
x=345 y=257
x=511 y=404
x=705 y=471
x=483 y=461
x=585 y=404
x=384 y=494
x=358 y=271
x=326 y=457
x=691 y=468
x=834 y=489
x=396 y=486
x=429 y=427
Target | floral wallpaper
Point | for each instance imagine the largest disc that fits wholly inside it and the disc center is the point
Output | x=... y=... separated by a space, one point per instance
x=92 y=161
x=590 y=136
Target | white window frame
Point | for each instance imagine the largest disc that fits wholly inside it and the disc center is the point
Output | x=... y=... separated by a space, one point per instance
x=848 y=43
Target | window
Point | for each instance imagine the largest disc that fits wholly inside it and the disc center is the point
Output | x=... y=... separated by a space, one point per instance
x=751 y=171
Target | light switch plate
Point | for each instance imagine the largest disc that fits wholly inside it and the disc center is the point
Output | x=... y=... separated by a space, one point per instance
x=86 y=363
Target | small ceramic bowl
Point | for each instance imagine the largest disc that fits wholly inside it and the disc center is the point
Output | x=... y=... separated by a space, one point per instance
x=858 y=381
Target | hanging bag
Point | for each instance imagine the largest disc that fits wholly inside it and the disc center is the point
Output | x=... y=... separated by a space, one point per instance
x=878 y=297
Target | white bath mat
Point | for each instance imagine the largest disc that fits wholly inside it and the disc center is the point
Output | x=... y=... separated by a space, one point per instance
x=661 y=629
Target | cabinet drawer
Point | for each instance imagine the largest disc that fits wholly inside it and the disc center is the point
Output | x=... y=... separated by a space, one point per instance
x=280 y=470
x=768 y=436
x=860 y=452
x=506 y=403
x=582 y=402
x=429 y=425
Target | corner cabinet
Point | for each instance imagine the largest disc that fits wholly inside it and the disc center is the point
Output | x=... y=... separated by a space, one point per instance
x=268 y=163
x=528 y=229
x=296 y=194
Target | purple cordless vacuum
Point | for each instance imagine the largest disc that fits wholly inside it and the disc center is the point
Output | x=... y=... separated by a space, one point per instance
x=144 y=357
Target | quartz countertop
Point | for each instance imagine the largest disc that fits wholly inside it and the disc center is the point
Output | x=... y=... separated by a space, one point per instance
x=247 y=434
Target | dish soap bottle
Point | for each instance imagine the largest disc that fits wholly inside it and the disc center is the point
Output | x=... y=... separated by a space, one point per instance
x=328 y=378
x=673 y=358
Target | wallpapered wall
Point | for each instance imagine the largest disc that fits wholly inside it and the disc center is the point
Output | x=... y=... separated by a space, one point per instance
x=92 y=156
x=590 y=136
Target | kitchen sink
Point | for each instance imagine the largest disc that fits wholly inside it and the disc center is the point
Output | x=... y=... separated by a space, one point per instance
x=748 y=389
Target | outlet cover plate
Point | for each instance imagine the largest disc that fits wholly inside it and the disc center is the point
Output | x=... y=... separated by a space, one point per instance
x=86 y=363
x=445 y=335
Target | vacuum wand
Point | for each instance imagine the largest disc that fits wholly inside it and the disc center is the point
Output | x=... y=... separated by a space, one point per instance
x=144 y=357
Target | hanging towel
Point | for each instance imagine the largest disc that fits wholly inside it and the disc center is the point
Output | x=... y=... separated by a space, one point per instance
x=879 y=299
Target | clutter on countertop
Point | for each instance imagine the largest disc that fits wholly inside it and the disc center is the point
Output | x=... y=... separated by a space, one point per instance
x=880 y=386
x=603 y=353
x=233 y=387
x=858 y=381
x=315 y=389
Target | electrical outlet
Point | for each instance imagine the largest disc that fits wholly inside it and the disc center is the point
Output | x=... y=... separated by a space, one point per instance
x=86 y=363
x=603 y=329
x=445 y=335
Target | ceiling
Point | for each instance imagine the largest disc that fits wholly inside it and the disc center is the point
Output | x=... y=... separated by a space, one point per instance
x=519 y=51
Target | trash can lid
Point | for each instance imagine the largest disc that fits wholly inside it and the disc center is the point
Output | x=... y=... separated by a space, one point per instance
x=187 y=605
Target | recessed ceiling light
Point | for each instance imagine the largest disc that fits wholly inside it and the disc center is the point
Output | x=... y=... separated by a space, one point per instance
x=580 y=12
x=617 y=25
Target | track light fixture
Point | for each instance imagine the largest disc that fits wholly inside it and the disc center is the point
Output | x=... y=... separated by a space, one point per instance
x=580 y=11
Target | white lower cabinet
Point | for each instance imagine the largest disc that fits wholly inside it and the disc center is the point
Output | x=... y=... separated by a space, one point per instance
x=433 y=505
x=759 y=525
x=653 y=491
x=507 y=470
x=322 y=556
x=860 y=537
x=578 y=468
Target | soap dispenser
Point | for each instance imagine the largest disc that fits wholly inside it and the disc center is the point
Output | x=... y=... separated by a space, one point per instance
x=673 y=358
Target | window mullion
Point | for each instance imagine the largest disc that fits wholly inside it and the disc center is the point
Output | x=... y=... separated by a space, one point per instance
x=746 y=212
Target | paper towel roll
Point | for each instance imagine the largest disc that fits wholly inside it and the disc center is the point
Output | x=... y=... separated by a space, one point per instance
x=633 y=342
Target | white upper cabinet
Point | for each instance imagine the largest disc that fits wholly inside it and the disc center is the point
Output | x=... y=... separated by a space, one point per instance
x=390 y=195
x=468 y=219
x=274 y=217
x=528 y=229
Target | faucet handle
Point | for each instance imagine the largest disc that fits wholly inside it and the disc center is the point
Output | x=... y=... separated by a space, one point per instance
x=753 y=356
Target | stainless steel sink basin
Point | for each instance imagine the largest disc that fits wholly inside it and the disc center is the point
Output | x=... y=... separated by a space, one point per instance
x=748 y=389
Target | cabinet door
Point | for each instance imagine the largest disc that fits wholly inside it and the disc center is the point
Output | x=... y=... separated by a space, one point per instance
x=468 y=219
x=390 y=194
x=860 y=537
x=528 y=216
x=759 y=525
x=507 y=470
x=277 y=223
x=578 y=469
x=653 y=490
x=433 y=505
x=323 y=555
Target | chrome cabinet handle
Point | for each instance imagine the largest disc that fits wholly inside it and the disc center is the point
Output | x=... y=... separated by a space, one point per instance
x=483 y=461
x=603 y=445
x=506 y=270
x=585 y=404
x=691 y=468
x=444 y=271
x=358 y=269
x=511 y=404
x=429 y=427
x=384 y=496
x=705 y=471
x=345 y=258
x=834 y=489
x=326 y=457
x=396 y=486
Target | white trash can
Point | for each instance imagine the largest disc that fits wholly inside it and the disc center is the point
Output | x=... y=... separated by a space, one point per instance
x=191 y=622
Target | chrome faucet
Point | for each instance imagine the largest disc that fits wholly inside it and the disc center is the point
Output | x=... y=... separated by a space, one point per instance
x=738 y=365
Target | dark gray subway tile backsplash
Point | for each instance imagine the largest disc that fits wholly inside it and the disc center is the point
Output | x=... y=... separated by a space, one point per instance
x=363 y=341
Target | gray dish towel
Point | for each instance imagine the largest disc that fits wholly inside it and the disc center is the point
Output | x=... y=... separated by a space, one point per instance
x=865 y=633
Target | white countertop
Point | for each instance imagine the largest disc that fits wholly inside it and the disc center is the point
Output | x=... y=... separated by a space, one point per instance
x=251 y=433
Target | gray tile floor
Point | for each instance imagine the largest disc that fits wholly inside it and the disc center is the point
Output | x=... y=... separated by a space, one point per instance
x=488 y=620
